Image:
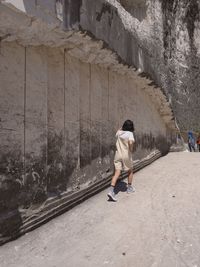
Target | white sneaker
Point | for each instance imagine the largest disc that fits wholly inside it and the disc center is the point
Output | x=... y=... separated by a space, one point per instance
x=130 y=189
x=111 y=196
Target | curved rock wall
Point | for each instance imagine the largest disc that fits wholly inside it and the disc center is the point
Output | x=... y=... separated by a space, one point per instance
x=58 y=122
x=63 y=95
x=160 y=38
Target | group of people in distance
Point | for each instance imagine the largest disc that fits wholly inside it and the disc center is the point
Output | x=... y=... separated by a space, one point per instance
x=192 y=142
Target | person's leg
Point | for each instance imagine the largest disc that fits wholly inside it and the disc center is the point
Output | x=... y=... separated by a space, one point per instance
x=111 y=193
x=189 y=145
x=130 y=188
x=115 y=177
x=130 y=177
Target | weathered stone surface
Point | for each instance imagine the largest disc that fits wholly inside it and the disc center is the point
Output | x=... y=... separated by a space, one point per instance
x=160 y=38
x=69 y=111
x=12 y=108
x=71 y=14
x=79 y=45
x=62 y=203
x=72 y=121
x=63 y=97
x=10 y=217
x=56 y=154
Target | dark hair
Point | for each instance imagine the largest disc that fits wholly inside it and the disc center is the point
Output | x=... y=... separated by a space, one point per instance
x=128 y=126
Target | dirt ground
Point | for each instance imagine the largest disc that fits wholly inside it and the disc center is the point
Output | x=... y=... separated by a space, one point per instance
x=157 y=226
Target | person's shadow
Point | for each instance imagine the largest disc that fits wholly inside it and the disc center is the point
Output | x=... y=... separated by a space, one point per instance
x=120 y=186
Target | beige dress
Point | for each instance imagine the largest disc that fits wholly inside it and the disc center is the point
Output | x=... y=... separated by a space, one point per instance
x=123 y=156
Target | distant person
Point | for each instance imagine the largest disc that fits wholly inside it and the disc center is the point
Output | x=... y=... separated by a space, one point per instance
x=198 y=142
x=123 y=157
x=191 y=141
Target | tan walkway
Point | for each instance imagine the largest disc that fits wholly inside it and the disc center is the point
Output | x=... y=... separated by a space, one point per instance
x=157 y=226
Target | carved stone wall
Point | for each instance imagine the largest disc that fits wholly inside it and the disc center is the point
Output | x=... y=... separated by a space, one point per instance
x=63 y=95
x=58 y=121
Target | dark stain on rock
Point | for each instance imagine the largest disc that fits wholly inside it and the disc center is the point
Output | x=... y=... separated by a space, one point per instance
x=105 y=8
x=129 y=57
x=72 y=157
x=57 y=166
x=11 y=163
x=36 y=172
x=105 y=149
x=96 y=132
x=71 y=13
x=85 y=143
x=56 y=182
x=169 y=9
x=137 y=10
x=10 y=218
x=54 y=148
x=151 y=142
x=162 y=144
x=34 y=190
x=192 y=15
x=56 y=179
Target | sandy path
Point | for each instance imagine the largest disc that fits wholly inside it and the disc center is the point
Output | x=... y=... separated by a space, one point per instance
x=158 y=225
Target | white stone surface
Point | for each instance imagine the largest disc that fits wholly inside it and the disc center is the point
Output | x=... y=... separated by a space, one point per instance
x=77 y=44
x=36 y=102
x=83 y=104
x=12 y=101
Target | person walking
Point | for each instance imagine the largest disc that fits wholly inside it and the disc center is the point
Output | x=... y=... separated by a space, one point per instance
x=191 y=141
x=198 y=142
x=123 y=157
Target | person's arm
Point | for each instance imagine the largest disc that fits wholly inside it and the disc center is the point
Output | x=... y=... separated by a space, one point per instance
x=131 y=145
x=131 y=142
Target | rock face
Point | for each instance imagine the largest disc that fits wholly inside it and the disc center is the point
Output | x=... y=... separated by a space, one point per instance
x=160 y=38
x=181 y=41
x=63 y=95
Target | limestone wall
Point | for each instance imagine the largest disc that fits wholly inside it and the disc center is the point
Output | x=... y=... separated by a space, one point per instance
x=63 y=95
x=58 y=121
x=160 y=38
x=49 y=11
